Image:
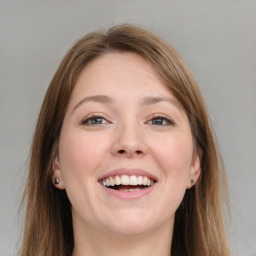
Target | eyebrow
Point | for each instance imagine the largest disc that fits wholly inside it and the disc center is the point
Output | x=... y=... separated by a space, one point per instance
x=153 y=100
x=95 y=98
x=104 y=99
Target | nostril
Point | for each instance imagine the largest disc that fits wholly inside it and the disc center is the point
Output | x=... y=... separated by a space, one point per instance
x=123 y=151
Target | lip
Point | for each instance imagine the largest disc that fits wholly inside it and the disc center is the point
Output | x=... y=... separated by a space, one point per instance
x=131 y=195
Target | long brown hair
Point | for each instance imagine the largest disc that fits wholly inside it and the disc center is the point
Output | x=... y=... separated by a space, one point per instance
x=199 y=226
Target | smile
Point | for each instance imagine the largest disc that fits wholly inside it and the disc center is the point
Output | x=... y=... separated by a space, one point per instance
x=127 y=183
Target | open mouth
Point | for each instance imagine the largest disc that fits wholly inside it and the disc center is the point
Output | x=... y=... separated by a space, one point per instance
x=127 y=183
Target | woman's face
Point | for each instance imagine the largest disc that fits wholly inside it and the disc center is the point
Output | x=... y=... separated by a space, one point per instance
x=125 y=151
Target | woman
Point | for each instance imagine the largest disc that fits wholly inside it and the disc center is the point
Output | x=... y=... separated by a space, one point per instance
x=123 y=160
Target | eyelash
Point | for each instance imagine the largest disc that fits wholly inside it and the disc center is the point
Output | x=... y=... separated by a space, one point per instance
x=167 y=120
x=91 y=118
x=154 y=118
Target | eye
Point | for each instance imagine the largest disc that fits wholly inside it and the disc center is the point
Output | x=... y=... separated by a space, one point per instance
x=161 y=121
x=94 y=120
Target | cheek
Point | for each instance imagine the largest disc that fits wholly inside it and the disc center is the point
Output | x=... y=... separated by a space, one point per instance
x=175 y=163
x=175 y=157
x=80 y=156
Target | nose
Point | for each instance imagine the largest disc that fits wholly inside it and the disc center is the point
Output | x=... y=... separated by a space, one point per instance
x=129 y=142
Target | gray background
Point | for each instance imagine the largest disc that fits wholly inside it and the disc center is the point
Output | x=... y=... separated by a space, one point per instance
x=216 y=38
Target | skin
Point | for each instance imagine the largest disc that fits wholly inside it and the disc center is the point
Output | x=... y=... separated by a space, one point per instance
x=127 y=134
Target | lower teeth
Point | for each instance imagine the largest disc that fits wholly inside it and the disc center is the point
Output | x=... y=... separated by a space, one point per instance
x=130 y=190
x=127 y=189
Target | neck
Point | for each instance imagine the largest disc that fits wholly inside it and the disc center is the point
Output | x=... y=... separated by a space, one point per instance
x=94 y=242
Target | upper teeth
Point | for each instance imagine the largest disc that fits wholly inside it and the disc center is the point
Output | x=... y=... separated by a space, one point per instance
x=127 y=180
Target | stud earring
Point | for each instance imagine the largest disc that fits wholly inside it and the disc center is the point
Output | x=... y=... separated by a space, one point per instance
x=56 y=181
x=192 y=181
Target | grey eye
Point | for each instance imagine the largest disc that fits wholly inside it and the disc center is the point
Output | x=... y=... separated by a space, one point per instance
x=160 y=120
x=94 y=120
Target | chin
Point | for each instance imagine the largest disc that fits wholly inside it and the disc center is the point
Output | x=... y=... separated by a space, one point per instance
x=129 y=230
x=130 y=223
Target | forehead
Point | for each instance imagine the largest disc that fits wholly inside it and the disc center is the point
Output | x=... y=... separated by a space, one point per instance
x=118 y=72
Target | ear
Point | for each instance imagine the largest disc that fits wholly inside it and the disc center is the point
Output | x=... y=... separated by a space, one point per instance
x=195 y=169
x=57 y=178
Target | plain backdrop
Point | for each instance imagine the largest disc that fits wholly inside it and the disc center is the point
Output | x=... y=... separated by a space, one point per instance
x=216 y=38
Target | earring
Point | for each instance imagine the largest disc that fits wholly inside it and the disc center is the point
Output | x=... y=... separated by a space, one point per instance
x=192 y=181
x=56 y=181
